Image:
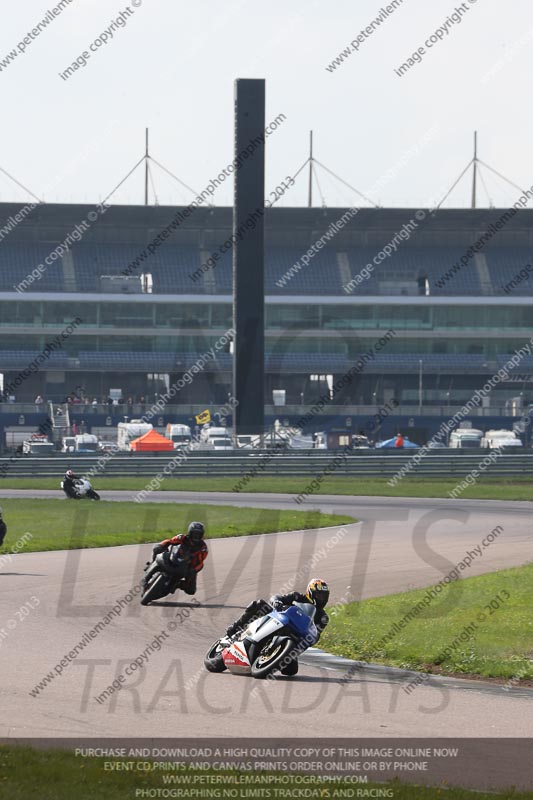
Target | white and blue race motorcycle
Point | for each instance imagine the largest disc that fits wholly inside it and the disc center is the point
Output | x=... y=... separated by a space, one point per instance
x=269 y=644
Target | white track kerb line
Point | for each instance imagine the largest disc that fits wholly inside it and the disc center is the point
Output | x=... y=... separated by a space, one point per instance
x=447 y=427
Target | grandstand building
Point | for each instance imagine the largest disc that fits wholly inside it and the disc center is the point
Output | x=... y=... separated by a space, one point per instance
x=429 y=306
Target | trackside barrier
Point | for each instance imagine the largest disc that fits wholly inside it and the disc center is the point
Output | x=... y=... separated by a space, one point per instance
x=363 y=463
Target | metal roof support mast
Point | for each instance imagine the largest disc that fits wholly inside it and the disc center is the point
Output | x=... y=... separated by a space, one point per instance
x=474 y=172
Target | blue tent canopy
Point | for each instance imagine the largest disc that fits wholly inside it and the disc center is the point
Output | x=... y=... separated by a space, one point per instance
x=389 y=443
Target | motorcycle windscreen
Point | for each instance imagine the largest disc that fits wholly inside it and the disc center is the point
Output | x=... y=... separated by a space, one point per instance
x=296 y=619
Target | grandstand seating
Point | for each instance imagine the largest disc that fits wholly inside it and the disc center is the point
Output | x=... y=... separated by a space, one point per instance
x=20 y=359
x=18 y=260
x=321 y=363
x=432 y=362
x=504 y=264
x=172 y=265
x=169 y=266
x=410 y=263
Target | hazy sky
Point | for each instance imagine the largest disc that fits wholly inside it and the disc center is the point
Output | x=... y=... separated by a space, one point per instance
x=172 y=68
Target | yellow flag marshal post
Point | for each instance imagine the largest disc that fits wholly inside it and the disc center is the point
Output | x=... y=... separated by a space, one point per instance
x=203 y=418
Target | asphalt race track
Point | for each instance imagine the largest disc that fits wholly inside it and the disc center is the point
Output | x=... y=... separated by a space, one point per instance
x=399 y=544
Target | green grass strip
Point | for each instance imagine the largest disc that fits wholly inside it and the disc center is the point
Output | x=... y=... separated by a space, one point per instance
x=479 y=626
x=26 y=774
x=516 y=488
x=63 y=525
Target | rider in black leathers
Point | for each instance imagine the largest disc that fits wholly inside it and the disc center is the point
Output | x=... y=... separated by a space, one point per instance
x=317 y=594
x=69 y=483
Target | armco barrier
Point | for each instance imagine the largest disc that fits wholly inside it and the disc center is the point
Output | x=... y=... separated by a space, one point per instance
x=439 y=463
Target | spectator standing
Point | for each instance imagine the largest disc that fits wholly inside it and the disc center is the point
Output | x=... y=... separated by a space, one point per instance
x=399 y=441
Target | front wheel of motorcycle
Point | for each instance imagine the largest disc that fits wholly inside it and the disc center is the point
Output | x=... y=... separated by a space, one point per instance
x=155 y=589
x=213 y=661
x=92 y=495
x=272 y=657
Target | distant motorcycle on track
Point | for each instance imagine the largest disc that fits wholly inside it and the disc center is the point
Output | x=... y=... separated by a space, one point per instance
x=81 y=490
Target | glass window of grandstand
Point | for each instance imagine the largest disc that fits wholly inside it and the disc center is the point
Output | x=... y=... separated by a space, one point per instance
x=222 y=316
x=21 y=313
x=10 y=343
x=348 y=317
x=472 y=317
x=369 y=316
x=125 y=344
x=404 y=317
x=305 y=316
x=61 y=314
x=126 y=315
x=179 y=315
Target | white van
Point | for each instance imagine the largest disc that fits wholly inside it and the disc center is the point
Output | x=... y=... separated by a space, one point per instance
x=501 y=438
x=127 y=431
x=221 y=443
x=210 y=432
x=180 y=435
x=465 y=438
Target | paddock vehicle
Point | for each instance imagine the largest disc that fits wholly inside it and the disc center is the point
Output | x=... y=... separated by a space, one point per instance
x=465 y=437
x=501 y=438
x=180 y=435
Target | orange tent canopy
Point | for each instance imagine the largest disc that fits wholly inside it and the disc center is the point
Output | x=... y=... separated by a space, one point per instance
x=151 y=442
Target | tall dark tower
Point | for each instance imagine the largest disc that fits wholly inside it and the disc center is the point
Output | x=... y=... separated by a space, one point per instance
x=249 y=257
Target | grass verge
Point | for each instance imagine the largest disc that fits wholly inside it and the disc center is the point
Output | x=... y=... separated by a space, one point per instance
x=480 y=626
x=518 y=488
x=64 y=525
x=52 y=775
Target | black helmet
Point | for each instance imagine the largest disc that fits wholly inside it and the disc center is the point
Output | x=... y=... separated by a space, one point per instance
x=318 y=592
x=196 y=531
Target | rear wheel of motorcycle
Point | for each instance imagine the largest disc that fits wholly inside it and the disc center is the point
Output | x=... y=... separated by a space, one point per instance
x=154 y=590
x=213 y=661
x=270 y=658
